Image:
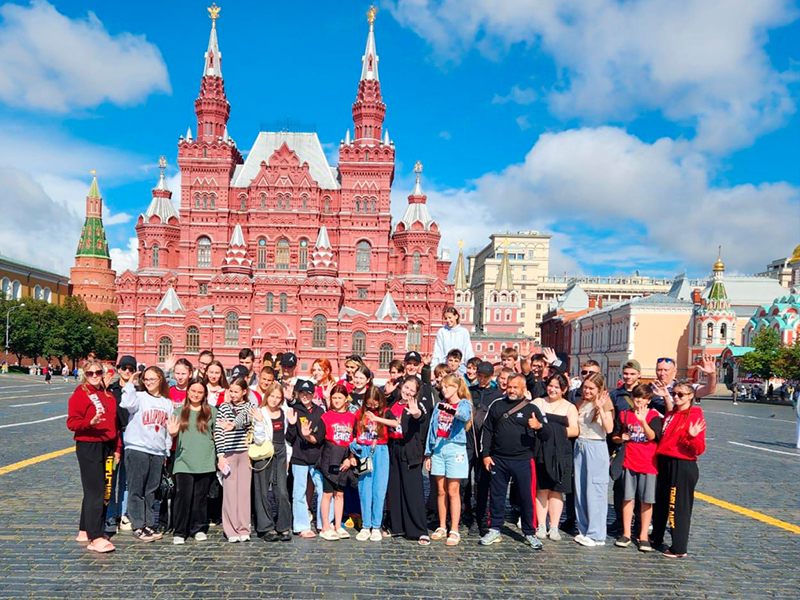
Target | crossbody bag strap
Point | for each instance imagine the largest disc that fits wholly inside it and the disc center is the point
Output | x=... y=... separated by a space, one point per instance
x=522 y=404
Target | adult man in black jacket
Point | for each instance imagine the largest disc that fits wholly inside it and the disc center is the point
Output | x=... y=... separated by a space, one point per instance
x=509 y=439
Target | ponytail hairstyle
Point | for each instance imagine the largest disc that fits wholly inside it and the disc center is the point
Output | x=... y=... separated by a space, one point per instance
x=163 y=384
x=204 y=416
x=241 y=383
x=373 y=393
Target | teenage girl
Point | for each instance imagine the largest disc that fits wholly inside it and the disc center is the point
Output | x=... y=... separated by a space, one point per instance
x=216 y=382
x=321 y=373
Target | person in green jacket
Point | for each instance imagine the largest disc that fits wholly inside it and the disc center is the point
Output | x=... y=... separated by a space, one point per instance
x=195 y=462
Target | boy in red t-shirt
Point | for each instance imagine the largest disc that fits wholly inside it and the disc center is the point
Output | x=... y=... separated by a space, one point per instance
x=638 y=430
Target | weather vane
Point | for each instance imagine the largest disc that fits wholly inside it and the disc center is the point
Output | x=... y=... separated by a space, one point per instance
x=461 y=244
x=418 y=167
x=213 y=12
x=93 y=172
x=371 y=14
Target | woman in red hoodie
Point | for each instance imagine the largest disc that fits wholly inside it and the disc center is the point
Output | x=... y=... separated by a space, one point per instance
x=683 y=439
x=92 y=415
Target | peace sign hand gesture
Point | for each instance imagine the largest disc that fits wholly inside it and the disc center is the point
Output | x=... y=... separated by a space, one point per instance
x=697 y=428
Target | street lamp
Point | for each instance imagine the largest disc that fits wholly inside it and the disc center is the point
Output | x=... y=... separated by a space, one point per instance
x=8 y=324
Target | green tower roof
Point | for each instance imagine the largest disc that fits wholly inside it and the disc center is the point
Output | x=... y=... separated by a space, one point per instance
x=93 y=239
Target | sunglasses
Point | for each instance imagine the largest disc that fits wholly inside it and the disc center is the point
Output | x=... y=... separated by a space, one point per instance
x=126 y=368
x=681 y=394
x=666 y=360
x=93 y=373
x=585 y=373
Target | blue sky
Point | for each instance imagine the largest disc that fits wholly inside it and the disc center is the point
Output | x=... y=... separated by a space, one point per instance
x=641 y=134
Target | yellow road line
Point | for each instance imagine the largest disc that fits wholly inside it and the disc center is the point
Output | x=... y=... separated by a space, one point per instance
x=36 y=459
x=748 y=513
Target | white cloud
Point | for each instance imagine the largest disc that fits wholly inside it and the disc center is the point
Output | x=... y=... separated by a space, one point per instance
x=523 y=122
x=702 y=63
x=517 y=95
x=618 y=201
x=127 y=258
x=445 y=135
x=56 y=64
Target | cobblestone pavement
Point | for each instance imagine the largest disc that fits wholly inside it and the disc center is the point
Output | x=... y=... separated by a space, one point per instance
x=731 y=556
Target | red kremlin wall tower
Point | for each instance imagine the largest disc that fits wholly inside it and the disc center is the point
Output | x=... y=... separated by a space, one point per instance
x=281 y=251
x=92 y=276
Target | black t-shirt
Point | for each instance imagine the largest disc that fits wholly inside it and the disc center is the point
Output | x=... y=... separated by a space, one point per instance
x=506 y=433
x=278 y=432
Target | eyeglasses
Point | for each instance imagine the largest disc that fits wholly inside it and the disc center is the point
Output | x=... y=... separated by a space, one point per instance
x=666 y=360
x=126 y=368
x=93 y=373
x=151 y=379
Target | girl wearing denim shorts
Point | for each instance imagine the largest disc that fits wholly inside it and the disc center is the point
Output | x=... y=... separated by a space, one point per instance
x=446 y=453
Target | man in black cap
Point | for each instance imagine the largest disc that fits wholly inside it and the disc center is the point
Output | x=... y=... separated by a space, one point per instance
x=115 y=514
x=484 y=392
x=288 y=380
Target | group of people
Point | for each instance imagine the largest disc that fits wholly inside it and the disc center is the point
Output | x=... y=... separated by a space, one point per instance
x=273 y=454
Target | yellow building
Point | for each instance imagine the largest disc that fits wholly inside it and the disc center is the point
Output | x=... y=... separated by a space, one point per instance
x=20 y=280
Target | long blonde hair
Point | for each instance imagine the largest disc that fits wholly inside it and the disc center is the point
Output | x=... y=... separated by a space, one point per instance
x=275 y=385
x=463 y=392
x=97 y=363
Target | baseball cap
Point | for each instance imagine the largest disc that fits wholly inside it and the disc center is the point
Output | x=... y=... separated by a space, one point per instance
x=288 y=359
x=485 y=368
x=127 y=361
x=239 y=371
x=412 y=356
x=633 y=364
x=304 y=385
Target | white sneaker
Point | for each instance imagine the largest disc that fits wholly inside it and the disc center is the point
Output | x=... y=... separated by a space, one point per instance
x=363 y=535
x=178 y=540
x=599 y=542
x=244 y=538
x=585 y=541
x=200 y=537
x=541 y=532
x=376 y=535
x=125 y=523
x=554 y=534
x=233 y=540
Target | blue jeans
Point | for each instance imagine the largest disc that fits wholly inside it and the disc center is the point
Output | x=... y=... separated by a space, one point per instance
x=118 y=503
x=299 y=506
x=372 y=488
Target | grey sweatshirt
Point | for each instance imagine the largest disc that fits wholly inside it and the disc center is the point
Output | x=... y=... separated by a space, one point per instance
x=147 y=428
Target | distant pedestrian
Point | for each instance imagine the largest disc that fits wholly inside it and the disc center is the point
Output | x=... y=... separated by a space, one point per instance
x=65 y=373
x=92 y=416
x=48 y=375
x=796 y=404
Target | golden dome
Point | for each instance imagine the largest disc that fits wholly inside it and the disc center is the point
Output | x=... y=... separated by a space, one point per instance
x=795 y=255
x=719 y=265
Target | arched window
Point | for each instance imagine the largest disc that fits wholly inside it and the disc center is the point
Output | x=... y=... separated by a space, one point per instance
x=6 y=288
x=373 y=206
x=710 y=331
x=326 y=205
x=478 y=347
x=197 y=200
x=366 y=156
x=270 y=302
x=263 y=201
x=287 y=203
x=723 y=332
x=192 y=339
x=359 y=343
x=302 y=255
x=385 y=355
x=204 y=253
x=491 y=347
x=261 y=254
x=213 y=200
x=497 y=315
x=16 y=290
x=37 y=292
x=164 y=349
x=283 y=303
x=508 y=314
x=205 y=201
x=319 y=335
x=155 y=255
x=231 y=329
x=358 y=205
x=414 y=338
x=415 y=264
x=305 y=202
x=282 y=254
x=363 y=251
x=243 y=203
x=48 y=296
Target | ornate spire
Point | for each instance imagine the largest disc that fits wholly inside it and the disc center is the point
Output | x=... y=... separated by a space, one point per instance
x=93 y=236
x=162 y=167
x=417 y=210
x=322 y=262
x=388 y=308
x=717 y=295
x=369 y=62
x=719 y=266
x=161 y=204
x=505 y=280
x=213 y=57
x=236 y=259
x=418 y=185
x=460 y=279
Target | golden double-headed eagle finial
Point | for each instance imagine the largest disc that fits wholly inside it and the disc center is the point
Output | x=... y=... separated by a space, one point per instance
x=213 y=11
x=371 y=14
x=93 y=172
x=461 y=244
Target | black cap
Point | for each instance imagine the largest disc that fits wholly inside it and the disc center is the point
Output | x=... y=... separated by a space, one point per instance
x=239 y=371
x=485 y=368
x=127 y=361
x=304 y=385
x=288 y=359
x=412 y=356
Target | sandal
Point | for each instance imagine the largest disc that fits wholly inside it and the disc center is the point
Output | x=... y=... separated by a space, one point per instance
x=439 y=534
x=453 y=539
x=424 y=540
x=307 y=534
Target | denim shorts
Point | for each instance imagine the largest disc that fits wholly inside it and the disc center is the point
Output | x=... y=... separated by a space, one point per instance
x=449 y=459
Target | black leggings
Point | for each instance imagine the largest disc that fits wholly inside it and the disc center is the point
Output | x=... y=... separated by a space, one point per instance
x=92 y=461
x=677 y=479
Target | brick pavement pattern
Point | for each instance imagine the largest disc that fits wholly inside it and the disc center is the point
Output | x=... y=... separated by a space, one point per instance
x=731 y=556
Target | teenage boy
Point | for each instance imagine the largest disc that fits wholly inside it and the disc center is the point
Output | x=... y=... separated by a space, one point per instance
x=265 y=378
x=502 y=378
x=472 y=370
x=509 y=438
x=454 y=360
x=248 y=358
x=288 y=380
x=117 y=512
x=508 y=358
x=623 y=400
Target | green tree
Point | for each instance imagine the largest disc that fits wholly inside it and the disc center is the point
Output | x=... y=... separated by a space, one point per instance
x=787 y=363
x=29 y=328
x=761 y=361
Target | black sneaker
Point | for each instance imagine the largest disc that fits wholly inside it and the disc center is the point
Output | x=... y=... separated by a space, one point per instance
x=644 y=546
x=143 y=535
x=271 y=536
x=286 y=536
x=111 y=526
x=623 y=542
x=156 y=535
